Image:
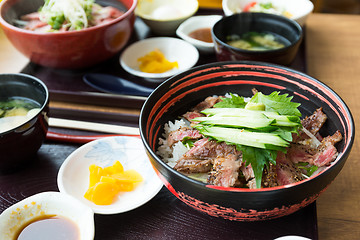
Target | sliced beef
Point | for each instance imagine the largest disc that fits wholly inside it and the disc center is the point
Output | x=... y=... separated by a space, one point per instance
x=225 y=171
x=191 y=115
x=206 y=149
x=193 y=166
x=209 y=102
x=314 y=122
x=326 y=152
x=247 y=172
x=286 y=170
x=269 y=178
x=299 y=153
x=181 y=134
x=31 y=16
x=320 y=156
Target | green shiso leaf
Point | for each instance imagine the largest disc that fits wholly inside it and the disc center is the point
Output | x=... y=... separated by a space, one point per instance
x=277 y=103
x=234 y=102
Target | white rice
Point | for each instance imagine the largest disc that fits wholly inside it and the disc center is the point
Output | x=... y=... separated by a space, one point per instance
x=170 y=155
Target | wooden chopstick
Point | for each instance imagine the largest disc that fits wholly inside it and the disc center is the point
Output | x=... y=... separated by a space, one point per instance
x=60 y=137
x=92 y=126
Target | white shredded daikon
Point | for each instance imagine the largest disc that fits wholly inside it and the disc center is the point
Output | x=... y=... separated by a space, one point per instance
x=73 y=11
x=314 y=141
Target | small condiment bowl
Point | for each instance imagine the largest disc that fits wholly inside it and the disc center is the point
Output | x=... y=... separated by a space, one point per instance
x=16 y=217
x=198 y=23
x=164 y=16
x=73 y=176
x=173 y=49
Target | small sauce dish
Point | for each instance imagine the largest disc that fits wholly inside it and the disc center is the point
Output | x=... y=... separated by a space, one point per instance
x=16 y=221
x=197 y=31
x=73 y=176
x=173 y=49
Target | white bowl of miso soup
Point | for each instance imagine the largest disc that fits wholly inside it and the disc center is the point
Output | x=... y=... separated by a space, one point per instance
x=24 y=103
x=257 y=37
x=48 y=215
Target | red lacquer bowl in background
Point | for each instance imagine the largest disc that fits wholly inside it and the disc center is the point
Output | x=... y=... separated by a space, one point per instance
x=178 y=94
x=70 y=50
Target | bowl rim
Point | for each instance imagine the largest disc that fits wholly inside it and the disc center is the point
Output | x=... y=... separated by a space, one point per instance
x=43 y=106
x=227 y=11
x=166 y=74
x=148 y=17
x=7 y=25
x=337 y=161
x=266 y=15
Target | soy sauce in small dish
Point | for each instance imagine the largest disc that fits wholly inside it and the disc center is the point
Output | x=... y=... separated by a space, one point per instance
x=46 y=227
x=202 y=34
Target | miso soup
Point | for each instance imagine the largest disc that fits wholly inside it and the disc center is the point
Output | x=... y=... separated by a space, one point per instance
x=257 y=41
x=15 y=111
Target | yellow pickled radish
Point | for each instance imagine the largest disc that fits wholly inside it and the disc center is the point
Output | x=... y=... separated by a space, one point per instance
x=130 y=176
x=155 y=62
x=104 y=193
x=106 y=183
x=95 y=174
x=117 y=167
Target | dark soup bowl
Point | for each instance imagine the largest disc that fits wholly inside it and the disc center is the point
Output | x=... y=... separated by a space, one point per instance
x=68 y=49
x=237 y=37
x=179 y=94
x=24 y=111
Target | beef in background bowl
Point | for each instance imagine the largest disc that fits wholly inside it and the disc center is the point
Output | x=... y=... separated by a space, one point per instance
x=70 y=49
x=178 y=94
x=19 y=144
x=285 y=30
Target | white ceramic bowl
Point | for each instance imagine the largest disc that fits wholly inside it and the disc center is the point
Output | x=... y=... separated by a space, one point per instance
x=195 y=23
x=300 y=9
x=164 y=16
x=47 y=203
x=173 y=49
x=73 y=176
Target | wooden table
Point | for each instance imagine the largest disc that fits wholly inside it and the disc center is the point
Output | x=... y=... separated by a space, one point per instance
x=333 y=57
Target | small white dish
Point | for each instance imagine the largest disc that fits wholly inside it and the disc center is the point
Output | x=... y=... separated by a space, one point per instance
x=195 y=23
x=164 y=16
x=173 y=49
x=14 y=218
x=73 y=176
x=299 y=9
x=292 y=237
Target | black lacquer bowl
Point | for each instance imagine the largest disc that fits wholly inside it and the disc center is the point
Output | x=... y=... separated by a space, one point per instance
x=178 y=94
x=241 y=23
x=19 y=145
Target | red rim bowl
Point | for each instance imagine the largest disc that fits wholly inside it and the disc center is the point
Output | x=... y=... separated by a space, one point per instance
x=178 y=94
x=73 y=49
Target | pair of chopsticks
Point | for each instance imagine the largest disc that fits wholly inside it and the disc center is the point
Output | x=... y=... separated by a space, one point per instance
x=114 y=130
